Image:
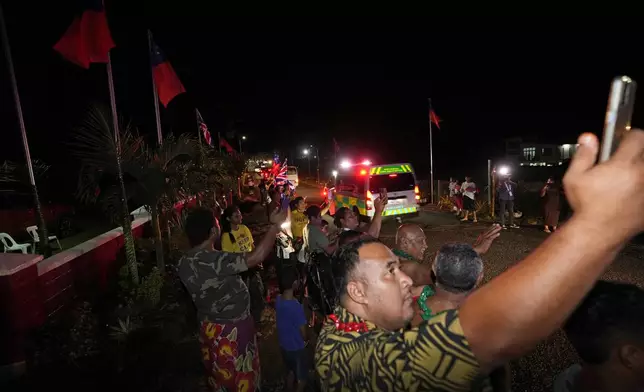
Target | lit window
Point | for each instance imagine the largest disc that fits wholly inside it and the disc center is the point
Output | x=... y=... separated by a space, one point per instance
x=529 y=153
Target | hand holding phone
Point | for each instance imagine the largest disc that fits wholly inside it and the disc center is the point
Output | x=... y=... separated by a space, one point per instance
x=618 y=115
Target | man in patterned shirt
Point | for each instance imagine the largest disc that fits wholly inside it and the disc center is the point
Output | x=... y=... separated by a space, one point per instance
x=365 y=346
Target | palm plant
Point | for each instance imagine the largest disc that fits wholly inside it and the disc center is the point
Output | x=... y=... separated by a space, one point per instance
x=101 y=177
x=157 y=180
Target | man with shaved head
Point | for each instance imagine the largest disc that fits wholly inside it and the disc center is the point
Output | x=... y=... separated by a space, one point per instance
x=411 y=244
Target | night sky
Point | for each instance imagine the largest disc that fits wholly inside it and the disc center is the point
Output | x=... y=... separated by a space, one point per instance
x=286 y=86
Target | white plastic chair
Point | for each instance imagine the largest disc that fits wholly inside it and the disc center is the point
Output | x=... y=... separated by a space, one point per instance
x=11 y=245
x=33 y=232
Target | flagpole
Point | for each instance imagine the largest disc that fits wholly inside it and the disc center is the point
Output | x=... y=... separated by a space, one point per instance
x=25 y=143
x=198 y=126
x=155 y=92
x=431 y=154
x=127 y=225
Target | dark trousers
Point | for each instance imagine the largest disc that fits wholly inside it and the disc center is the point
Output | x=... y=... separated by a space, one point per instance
x=506 y=205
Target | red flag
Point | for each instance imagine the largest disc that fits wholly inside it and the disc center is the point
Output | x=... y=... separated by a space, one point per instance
x=223 y=143
x=87 y=40
x=434 y=118
x=166 y=80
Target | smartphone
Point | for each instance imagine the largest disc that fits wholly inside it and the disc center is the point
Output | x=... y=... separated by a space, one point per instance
x=618 y=115
x=383 y=192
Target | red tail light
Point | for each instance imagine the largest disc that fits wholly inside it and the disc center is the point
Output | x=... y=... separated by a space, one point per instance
x=369 y=200
x=417 y=192
x=393 y=175
x=363 y=172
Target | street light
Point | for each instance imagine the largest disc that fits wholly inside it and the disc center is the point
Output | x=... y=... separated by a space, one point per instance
x=504 y=170
x=240 y=143
x=307 y=153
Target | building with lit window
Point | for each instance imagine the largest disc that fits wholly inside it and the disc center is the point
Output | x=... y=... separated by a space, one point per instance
x=525 y=153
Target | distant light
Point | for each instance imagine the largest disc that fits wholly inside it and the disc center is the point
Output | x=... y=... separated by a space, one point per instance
x=335 y=173
x=504 y=171
x=393 y=175
x=366 y=162
x=243 y=137
x=345 y=164
x=306 y=151
x=566 y=146
x=315 y=156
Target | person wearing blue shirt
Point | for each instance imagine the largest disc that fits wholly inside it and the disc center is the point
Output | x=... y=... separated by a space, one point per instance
x=292 y=330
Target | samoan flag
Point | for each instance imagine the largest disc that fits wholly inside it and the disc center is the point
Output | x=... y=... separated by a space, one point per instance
x=87 y=40
x=166 y=80
x=203 y=128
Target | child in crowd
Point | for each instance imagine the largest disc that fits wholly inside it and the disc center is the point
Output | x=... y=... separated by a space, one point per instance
x=292 y=332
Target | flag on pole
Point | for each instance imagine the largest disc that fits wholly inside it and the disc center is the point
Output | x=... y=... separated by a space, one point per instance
x=229 y=149
x=336 y=146
x=166 y=80
x=203 y=128
x=434 y=118
x=87 y=40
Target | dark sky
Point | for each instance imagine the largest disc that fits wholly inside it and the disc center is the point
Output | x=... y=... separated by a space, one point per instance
x=289 y=86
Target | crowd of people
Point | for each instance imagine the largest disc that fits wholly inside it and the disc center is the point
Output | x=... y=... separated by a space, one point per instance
x=396 y=323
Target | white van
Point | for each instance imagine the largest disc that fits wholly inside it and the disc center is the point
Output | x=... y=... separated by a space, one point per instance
x=291 y=175
x=358 y=185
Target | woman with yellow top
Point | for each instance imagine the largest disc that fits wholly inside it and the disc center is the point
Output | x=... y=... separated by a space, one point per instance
x=237 y=238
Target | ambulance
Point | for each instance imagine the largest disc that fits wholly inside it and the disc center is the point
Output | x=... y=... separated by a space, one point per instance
x=358 y=185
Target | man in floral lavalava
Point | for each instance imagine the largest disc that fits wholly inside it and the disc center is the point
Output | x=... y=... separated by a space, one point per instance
x=227 y=331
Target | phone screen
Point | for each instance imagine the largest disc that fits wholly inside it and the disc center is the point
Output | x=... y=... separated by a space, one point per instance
x=618 y=115
x=383 y=193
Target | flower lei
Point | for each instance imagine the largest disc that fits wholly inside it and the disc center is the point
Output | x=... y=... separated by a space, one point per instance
x=422 y=302
x=350 y=326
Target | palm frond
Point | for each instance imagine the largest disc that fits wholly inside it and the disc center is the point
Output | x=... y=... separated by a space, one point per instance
x=94 y=141
x=18 y=172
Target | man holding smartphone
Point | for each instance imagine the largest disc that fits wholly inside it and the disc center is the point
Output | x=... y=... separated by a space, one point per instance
x=506 y=191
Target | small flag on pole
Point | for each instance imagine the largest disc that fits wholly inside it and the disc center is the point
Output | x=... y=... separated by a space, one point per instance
x=229 y=149
x=203 y=128
x=434 y=118
x=166 y=80
x=87 y=40
x=336 y=146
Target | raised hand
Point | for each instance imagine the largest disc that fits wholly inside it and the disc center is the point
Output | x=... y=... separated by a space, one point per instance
x=485 y=240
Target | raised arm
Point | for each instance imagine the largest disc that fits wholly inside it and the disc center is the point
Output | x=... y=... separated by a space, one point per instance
x=508 y=316
x=265 y=246
x=376 y=223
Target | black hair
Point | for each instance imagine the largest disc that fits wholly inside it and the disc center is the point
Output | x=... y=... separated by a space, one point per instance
x=324 y=223
x=312 y=212
x=457 y=268
x=287 y=279
x=348 y=236
x=295 y=201
x=339 y=214
x=343 y=264
x=609 y=313
x=226 y=226
x=199 y=224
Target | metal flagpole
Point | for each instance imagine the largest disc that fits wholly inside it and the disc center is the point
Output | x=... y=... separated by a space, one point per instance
x=197 y=115
x=25 y=143
x=431 y=154
x=155 y=92
x=127 y=225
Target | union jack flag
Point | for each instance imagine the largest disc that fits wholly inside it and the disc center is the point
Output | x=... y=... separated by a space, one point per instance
x=203 y=128
x=281 y=177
